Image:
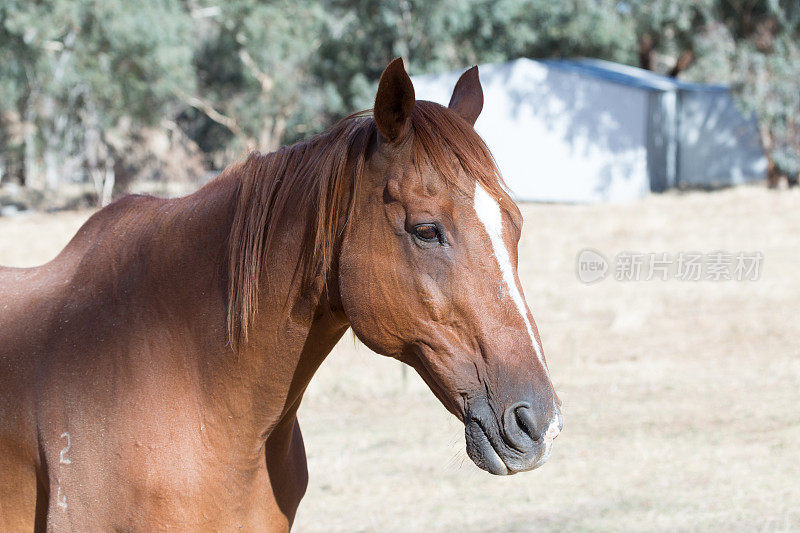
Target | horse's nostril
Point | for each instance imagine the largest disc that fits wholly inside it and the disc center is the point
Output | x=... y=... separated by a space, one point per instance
x=523 y=414
x=520 y=426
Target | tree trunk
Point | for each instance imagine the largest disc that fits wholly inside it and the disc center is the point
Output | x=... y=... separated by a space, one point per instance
x=30 y=162
x=647 y=46
x=109 y=177
x=51 y=174
x=54 y=122
x=54 y=136
x=683 y=62
x=269 y=139
x=99 y=162
x=101 y=170
x=773 y=175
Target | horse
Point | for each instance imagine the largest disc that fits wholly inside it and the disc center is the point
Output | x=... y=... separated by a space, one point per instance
x=150 y=374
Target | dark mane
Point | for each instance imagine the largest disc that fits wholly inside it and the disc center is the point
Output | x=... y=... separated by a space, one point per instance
x=318 y=177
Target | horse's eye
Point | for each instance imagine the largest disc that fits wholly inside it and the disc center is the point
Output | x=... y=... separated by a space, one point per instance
x=427 y=232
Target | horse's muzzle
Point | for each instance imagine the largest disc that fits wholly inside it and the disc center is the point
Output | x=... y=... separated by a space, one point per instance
x=520 y=439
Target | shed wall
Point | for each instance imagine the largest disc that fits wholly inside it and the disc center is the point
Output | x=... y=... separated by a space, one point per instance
x=558 y=134
x=718 y=146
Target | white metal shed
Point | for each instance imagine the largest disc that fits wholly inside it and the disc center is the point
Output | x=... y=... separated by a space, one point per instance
x=589 y=130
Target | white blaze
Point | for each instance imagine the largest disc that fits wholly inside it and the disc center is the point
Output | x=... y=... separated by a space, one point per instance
x=488 y=211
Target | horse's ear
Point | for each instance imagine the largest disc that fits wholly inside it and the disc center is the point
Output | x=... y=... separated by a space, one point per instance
x=394 y=102
x=467 y=99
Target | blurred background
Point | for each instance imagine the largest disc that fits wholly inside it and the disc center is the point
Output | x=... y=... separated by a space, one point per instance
x=649 y=129
x=98 y=96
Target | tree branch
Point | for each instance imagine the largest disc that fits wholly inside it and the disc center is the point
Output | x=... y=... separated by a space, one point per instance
x=264 y=79
x=209 y=110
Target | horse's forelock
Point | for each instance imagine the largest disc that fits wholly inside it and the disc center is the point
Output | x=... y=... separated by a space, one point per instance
x=447 y=142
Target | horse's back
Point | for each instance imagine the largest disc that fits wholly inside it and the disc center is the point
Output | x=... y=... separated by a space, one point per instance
x=42 y=307
x=27 y=301
x=20 y=332
x=30 y=300
x=40 y=325
x=101 y=342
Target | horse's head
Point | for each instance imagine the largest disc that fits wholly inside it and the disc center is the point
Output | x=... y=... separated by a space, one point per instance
x=428 y=273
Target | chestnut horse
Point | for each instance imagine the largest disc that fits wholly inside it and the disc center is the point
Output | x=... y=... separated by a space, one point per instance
x=150 y=374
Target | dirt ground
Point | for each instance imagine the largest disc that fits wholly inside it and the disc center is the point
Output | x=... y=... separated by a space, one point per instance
x=681 y=399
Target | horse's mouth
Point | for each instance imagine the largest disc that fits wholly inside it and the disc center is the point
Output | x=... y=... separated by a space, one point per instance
x=500 y=444
x=482 y=452
x=501 y=458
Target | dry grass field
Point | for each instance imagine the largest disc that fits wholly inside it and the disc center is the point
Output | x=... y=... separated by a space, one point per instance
x=681 y=399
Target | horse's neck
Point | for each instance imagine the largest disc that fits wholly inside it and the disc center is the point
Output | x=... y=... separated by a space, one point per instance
x=262 y=384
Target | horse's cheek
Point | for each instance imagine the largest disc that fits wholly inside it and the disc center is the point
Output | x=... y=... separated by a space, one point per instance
x=361 y=294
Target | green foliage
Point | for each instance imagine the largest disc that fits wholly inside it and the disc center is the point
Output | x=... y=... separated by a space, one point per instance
x=72 y=67
x=131 y=57
x=254 y=68
x=752 y=44
x=768 y=86
x=250 y=73
x=126 y=57
x=362 y=36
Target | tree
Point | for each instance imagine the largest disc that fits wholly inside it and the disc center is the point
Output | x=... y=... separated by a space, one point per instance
x=82 y=82
x=362 y=36
x=665 y=32
x=89 y=75
x=766 y=69
x=752 y=44
x=254 y=72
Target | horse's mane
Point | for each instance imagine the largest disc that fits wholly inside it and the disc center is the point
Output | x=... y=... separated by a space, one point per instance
x=319 y=177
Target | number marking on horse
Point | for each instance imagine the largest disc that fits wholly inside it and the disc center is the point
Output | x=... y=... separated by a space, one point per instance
x=62 y=456
x=61 y=500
